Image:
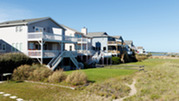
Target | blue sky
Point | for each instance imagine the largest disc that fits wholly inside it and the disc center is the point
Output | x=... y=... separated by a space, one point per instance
x=153 y=24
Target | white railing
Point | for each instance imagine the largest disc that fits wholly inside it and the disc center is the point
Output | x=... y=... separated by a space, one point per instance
x=70 y=38
x=41 y=35
x=34 y=53
x=83 y=40
x=50 y=53
x=90 y=52
x=46 y=53
x=50 y=36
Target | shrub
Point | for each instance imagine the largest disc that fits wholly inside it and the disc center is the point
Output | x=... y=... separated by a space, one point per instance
x=141 y=57
x=41 y=74
x=22 y=73
x=76 y=78
x=57 y=76
x=34 y=72
x=115 y=60
x=10 y=61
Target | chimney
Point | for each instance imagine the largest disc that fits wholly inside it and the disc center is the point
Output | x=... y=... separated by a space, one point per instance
x=84 y=31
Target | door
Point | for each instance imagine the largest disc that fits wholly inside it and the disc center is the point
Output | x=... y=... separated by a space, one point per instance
x=98 y=46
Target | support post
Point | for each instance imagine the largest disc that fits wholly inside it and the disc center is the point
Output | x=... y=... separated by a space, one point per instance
x=107 y=60
x=111 y=61
x=42 y=48
x=61 y=46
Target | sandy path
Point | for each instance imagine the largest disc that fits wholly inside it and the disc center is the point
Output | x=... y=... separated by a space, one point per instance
x=132 y=92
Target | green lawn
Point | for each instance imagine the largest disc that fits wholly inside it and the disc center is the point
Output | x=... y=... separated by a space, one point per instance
x=101 y=74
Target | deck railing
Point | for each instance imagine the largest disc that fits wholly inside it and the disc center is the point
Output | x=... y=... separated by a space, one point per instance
x=50 y=36
x=113 y=51
x=46 y=53
x=115 y=42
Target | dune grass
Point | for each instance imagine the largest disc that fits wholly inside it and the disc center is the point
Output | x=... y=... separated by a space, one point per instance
x=159 y=83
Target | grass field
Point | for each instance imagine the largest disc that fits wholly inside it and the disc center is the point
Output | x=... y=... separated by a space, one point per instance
x=159 y=82
x=102 y=74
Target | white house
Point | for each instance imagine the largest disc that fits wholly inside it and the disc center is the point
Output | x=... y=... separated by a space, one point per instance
x=40 y=38
x=130 y=47
x=140 y=50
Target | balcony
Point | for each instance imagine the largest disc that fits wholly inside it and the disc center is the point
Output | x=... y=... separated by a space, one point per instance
x=46 y=53
x=83 y=40
x=114 y=43
x=86 y=52
x=35 y=36
x=114 y=51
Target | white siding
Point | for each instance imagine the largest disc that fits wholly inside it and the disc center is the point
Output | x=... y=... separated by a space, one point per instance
x=103 y=41
x=17 y=37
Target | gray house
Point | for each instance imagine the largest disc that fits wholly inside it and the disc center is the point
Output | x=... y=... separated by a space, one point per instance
x=42 y=39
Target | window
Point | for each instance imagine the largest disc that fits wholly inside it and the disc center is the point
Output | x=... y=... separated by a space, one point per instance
x=104 y=48
x=0 y=46
x=17 y=45
x=4 y=46
x=39 y=29
x=13 y=49
x=18 y=28
x=20 y=47
x=70 y=48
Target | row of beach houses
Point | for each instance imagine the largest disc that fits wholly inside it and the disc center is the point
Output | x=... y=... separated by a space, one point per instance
x=59 y=46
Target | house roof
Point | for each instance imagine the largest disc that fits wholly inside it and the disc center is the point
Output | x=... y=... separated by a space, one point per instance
x=128 y=42
x=97 y=34
x=140 y=47
x=25 y=22
x=66 y=27
x=118 y=37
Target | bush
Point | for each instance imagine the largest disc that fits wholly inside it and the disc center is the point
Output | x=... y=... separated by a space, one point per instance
x=34 y=72
x=22 y=73
x=57 y=76
x=41 y=74
x=115 y=60
x=10 y=61
x=77 y=78
x=141 y=57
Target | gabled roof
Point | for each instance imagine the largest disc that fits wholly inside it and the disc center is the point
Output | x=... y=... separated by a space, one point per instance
x=128 y=42
x=66 y=27
x=97 y=34
x=118 y=37
x=140 y=47
x=26 y=22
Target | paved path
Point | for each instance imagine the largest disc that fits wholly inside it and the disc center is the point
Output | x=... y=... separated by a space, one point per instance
x=132 y=92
